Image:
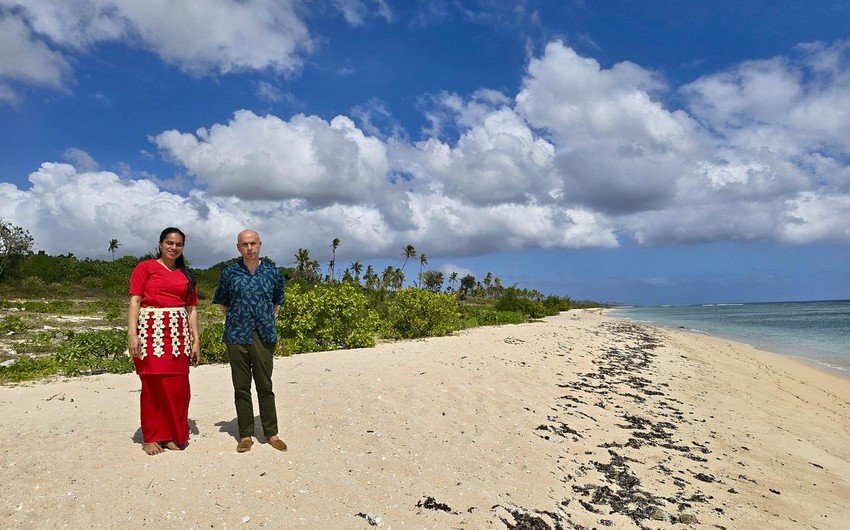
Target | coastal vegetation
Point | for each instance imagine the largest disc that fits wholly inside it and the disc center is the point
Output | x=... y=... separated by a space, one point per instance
x=63 y=315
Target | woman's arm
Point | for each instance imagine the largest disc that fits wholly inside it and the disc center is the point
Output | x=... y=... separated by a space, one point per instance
x=133 y=343
x=195 y=355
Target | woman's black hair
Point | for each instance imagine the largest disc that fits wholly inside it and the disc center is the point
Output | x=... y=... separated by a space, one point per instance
x=181 y=261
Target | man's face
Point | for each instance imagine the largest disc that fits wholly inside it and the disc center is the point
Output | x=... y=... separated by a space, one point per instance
x=249 y=245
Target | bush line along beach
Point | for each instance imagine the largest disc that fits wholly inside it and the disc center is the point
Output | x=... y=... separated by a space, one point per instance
x=64 y=315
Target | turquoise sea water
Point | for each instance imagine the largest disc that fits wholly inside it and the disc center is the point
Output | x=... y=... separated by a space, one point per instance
x=815 y=331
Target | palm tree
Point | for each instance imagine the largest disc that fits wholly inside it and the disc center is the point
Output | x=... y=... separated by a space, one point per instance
x=397 y=280
x=497 y=287
x=370 y=278
x=302 y=259
x=307 y=269
x=356 y=267
x=467 y=284
x=409 y=252
x=452 y=280
x=113 y=246
x=488 y=279
x=334 y=246
x=387 y=277
x=423 y=260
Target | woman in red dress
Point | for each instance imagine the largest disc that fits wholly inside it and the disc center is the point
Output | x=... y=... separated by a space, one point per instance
x=162 y=333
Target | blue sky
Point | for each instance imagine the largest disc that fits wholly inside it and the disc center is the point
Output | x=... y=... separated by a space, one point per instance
x=635 y=152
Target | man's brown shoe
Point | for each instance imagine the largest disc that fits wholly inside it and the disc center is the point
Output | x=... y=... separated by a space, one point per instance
x=278 y=444
x=244 y=445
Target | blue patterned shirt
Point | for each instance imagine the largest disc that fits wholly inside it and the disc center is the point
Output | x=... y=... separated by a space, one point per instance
x=250 y=300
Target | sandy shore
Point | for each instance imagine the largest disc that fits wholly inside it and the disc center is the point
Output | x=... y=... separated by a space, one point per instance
x=580 y=421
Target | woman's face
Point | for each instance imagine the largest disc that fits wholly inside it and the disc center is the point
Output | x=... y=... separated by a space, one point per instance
x=172 y=246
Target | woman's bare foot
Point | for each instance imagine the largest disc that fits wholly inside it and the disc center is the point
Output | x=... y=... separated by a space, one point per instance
x=172 y=445
x=151 y=448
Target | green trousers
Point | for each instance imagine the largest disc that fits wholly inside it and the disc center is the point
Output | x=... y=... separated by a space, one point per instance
x=253 y=361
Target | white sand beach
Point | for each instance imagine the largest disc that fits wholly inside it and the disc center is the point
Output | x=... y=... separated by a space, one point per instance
x=579 y=421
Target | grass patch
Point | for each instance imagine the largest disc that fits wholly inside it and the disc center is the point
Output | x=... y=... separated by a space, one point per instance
x=12 y=324
x=95 y=352
x=473 y=315
x=38 y=306
x=28 y=369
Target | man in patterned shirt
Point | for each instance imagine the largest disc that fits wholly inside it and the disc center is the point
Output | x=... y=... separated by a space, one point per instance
x=250 y=292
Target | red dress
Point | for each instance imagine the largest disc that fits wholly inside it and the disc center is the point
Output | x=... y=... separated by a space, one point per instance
x=166 y=346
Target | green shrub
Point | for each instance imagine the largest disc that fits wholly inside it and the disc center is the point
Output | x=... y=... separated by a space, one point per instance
x=50 y=306
x=477 y=315
x=33 y=285
x=114 y=315
x=94 y=352
x=60 y=289
x=511 y=300
x=555 y=304
x=28 y=368
x=213 y=349
x=92 y=283
x=43 y=342
x=49 y=268
x=38 y=306
x=414 y=313
x=12 y=324
x=325 y=317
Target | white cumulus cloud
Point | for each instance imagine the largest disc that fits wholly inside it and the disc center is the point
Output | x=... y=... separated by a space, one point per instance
x=581 y=156
x=25 y=60
x=264 y=157
x=201 y=37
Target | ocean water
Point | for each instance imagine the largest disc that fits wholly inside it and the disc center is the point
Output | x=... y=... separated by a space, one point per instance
x=818 y=332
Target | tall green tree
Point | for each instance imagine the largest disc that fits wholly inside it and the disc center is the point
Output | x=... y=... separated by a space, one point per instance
x=432 y=281
x=334 y=246
x=452 y=280
x=302 y=260
x=423 y=260
x=387 y=277
x=409 y=252
x=113 y=246
x=392 y=278
x=306 y=269
x=497 y=289
x=397 y=279
x=370 y=278
x=356 y=268
x=467 y=284
x=487 y=283
x=15 y=244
